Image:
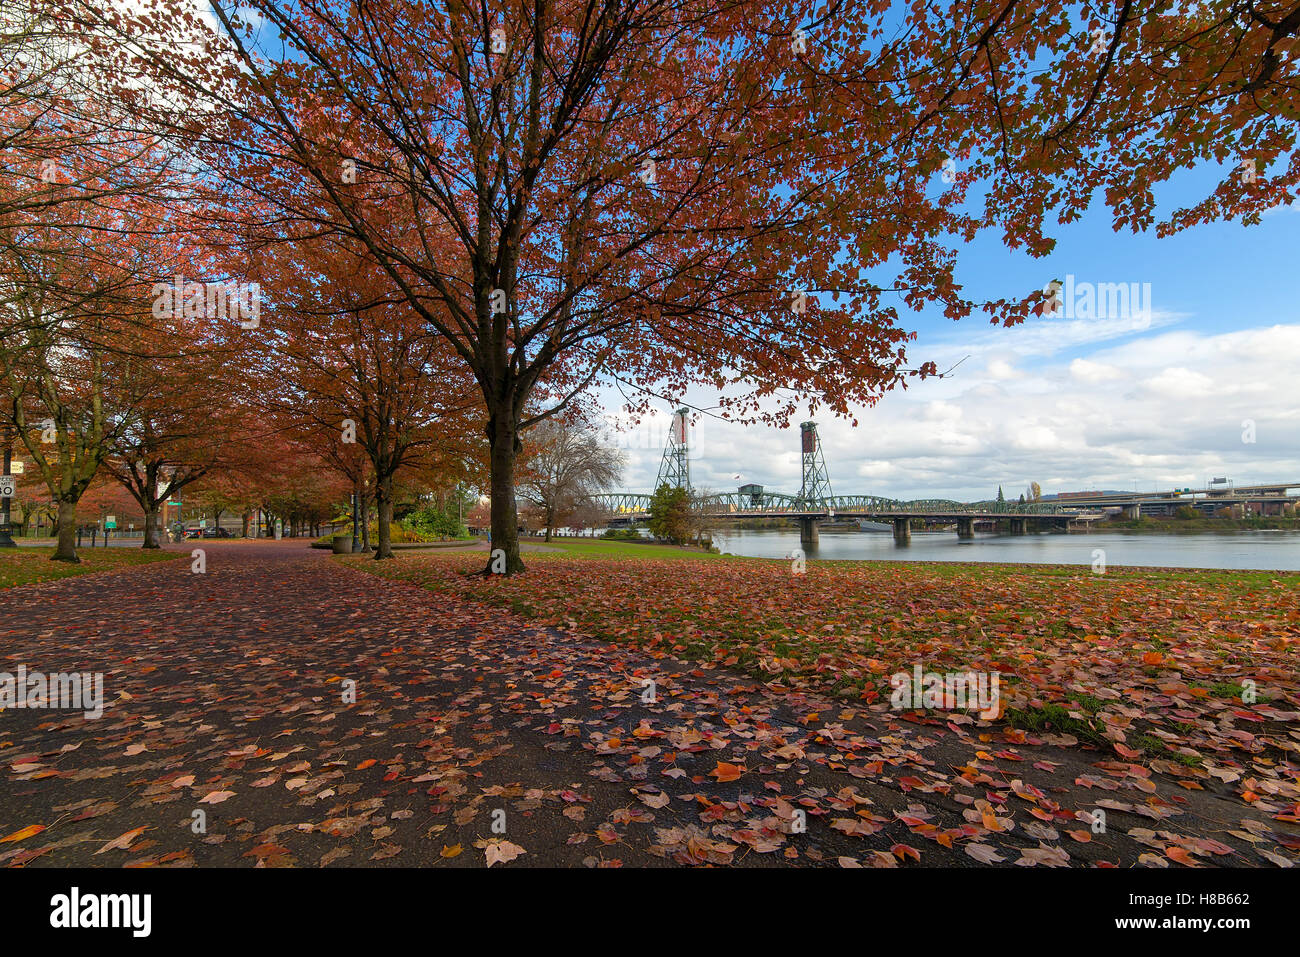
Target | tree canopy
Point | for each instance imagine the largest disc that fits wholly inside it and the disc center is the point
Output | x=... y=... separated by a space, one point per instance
x=656 y=195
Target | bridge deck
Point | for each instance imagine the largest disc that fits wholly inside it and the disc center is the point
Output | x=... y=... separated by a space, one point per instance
x=949 y=516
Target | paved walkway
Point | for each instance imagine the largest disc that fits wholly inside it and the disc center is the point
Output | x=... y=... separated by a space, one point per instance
x=476 y=738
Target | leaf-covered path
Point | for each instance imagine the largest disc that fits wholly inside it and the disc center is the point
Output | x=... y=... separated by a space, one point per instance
x=476 y=738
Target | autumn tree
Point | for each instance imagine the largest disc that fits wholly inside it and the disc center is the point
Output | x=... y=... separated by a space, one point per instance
x=32 y=501
x=666 y=193
x=355 y=370
x=306 y=495
x=68 y=360
x=83 y=235
x=105 y=497
x=60 y=99
x=189 y=415
x=564 y=464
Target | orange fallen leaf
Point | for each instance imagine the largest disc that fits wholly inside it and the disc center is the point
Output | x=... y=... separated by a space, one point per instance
x=267 y=850
x=29 y=831
x=1180 y=855
x=902 y=851
x=726 y=772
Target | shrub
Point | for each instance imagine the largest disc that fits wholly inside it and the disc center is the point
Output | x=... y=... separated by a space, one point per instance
x=430 y=522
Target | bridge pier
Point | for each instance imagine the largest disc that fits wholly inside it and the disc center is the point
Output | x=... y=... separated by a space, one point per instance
x=808 y=536
x=965 y=528
x=1018 y=526
x=902 y=531
x=1133 y=511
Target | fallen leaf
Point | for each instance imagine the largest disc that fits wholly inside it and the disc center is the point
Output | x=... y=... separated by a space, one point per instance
x=502 y=852
x=122 y=842
x=30 y=831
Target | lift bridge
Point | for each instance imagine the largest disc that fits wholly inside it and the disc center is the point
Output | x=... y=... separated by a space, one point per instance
x=815 y=502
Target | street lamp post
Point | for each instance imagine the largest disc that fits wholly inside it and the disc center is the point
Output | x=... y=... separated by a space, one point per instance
x=6 y=539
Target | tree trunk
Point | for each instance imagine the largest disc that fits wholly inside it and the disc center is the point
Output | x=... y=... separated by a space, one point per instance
x=550 y=523
x=66 y=551
x=247 y=515
x=151 y=529
x=384 y=507
x=365 y=523
x=505 y=517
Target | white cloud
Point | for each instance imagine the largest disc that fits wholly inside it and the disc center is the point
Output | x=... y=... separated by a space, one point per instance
x=1037 y=338
x=1093 y=372
x=1178 y=382
x=1001 y=369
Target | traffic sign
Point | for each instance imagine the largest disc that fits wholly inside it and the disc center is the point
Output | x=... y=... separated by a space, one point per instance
x=6 y=486
x=110 y=521
x=17 y=467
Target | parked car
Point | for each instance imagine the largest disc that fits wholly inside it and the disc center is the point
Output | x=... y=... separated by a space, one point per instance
x=194 y=532
x=217 y=533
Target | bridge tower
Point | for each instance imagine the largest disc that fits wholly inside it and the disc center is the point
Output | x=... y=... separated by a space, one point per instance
x=816 y=484
x=675 y=468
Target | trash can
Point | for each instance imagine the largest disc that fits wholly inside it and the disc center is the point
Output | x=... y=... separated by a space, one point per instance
x=342 y=544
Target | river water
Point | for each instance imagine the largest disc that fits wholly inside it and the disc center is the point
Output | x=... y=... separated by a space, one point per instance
x=1277 y=550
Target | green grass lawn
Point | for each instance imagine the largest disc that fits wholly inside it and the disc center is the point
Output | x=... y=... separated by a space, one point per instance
x=595 y=548
x=27 y=565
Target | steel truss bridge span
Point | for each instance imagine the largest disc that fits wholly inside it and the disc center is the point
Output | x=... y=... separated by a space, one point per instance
x=816 y=502
x=745 y=505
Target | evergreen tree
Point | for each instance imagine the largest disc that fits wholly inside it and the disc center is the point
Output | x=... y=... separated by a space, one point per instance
x=670 y=514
